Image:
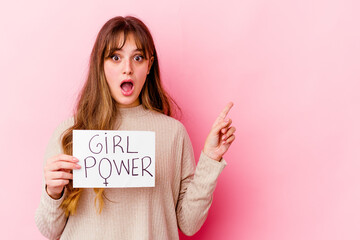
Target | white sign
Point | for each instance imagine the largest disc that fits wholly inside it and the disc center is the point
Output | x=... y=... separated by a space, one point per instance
x=112 y=159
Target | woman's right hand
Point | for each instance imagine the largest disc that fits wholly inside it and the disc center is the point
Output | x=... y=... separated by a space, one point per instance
x=57 y=172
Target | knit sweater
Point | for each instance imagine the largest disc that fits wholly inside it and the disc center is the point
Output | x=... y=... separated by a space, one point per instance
x=181 y=197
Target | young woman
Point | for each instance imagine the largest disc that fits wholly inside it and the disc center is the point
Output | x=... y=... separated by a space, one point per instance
x=123 y=91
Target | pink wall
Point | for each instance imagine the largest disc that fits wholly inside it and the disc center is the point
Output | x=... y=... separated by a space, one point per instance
x=290 y=67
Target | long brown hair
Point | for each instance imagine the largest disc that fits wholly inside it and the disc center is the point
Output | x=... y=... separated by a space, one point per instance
x=96 y=109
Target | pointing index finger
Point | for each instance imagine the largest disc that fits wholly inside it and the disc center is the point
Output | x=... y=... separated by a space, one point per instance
x=226 y=110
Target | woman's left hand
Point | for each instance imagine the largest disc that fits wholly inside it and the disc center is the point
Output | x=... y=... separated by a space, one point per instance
x=221 y=135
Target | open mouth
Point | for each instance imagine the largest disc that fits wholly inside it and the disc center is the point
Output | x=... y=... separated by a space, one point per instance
x=127 y=87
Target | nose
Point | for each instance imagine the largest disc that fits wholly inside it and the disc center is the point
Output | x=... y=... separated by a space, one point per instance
x=127 y=67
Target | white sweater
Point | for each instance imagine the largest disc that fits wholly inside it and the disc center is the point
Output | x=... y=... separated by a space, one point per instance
x=181 y=197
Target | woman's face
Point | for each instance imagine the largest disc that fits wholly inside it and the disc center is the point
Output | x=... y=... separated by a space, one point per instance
x=125 y=71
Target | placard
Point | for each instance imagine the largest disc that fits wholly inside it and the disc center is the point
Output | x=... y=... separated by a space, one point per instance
x=113 y=159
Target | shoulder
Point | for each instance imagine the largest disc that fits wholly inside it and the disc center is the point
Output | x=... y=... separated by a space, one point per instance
x=54 y=146
x=62 y=127
x=171 y=124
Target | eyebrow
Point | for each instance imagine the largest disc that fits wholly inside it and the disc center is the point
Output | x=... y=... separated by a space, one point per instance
x=113 y=50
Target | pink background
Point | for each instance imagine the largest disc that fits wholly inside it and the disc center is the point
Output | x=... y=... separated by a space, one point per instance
x=290 y=67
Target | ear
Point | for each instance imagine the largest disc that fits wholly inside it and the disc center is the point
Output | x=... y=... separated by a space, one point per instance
x=150 y=64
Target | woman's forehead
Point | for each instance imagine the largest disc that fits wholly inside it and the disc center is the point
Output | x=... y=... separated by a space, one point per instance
x=121 y=38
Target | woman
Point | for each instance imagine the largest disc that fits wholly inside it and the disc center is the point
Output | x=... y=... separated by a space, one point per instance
x=123 y=91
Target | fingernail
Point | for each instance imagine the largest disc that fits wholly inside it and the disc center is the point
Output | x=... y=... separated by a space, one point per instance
x=78 y=166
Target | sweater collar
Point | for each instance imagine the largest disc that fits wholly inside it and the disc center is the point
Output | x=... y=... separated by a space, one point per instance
x=133 y=111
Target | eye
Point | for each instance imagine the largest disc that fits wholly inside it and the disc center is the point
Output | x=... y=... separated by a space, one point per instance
x=138 y=58
x=115 y=57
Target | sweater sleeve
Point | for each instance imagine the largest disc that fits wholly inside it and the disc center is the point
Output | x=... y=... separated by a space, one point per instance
x=196 y=188
x=49 y=217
